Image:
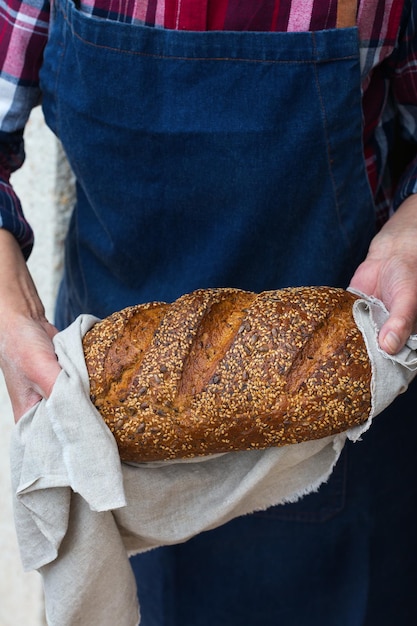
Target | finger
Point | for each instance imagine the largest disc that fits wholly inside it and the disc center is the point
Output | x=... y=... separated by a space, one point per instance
x=399 y=326
x=46 y=379
x=27 y=388
x=23 y=397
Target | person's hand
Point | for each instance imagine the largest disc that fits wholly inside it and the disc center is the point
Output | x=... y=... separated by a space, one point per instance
x=27 y=356
x=389 y=273
x=28 y=361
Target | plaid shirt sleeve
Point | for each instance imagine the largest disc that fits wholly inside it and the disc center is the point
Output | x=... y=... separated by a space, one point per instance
x=23 y=35
x=404 y=85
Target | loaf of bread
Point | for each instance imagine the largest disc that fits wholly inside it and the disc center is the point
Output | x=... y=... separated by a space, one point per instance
x=220 y=370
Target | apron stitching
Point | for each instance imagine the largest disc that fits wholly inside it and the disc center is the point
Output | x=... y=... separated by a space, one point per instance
x=235 y=59
x=210 y=58
x=329 y=149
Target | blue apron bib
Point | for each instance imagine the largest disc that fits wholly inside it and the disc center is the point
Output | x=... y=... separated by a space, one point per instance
x=206 y=159
x=229 y=159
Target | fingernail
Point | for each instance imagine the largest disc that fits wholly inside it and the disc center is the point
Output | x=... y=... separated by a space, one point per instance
x=392 y=341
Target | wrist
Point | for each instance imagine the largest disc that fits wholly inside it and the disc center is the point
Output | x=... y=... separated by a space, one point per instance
x=18 y=294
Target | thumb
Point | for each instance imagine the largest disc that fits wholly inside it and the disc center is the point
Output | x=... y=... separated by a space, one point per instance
x=399 y=326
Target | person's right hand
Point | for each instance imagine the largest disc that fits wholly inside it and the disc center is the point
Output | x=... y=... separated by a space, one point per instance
x=27 y=356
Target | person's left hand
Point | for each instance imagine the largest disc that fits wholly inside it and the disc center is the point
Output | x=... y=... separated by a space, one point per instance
x=389 y=273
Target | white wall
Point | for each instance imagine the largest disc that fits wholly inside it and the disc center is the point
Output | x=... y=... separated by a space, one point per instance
x=39 y=186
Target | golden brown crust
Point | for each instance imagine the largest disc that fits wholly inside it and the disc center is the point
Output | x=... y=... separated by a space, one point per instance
x=223 y=369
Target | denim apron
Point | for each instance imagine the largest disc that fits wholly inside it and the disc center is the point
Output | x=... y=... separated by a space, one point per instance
x=228 y=159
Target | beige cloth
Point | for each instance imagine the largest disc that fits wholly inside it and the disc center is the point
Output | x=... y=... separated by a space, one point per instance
x=391 y=375
x=79 y=512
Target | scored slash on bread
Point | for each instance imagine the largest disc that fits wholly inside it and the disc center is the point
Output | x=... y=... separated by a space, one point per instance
x=222 y=370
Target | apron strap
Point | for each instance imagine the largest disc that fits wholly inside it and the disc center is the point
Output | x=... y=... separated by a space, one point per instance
x=346 y=13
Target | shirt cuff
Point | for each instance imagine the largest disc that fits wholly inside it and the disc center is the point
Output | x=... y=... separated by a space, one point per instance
x=12 y=218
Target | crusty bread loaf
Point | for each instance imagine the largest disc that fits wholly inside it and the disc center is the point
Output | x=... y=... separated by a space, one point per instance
x=223 y=369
